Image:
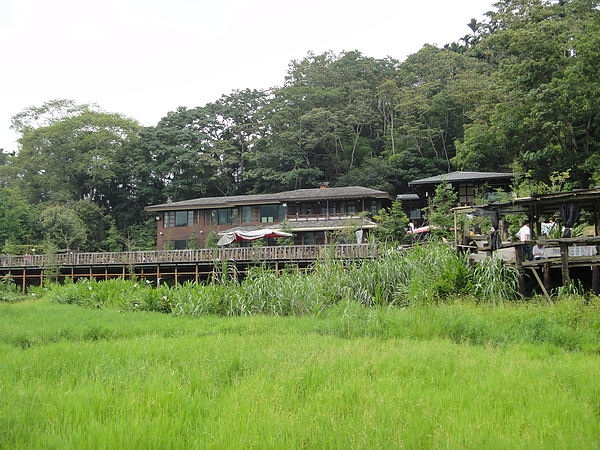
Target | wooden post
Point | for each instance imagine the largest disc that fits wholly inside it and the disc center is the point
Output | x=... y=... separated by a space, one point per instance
x=595 y=280
x=546 y=272
x=519 y=264
x=24 y=286
x=455 y=234
x=564 y=263
x=596 y=224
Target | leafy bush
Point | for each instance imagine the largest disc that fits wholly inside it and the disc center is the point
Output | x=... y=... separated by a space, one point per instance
x=9 y=292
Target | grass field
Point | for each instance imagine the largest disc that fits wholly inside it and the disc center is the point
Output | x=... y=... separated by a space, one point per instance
x=452 y=375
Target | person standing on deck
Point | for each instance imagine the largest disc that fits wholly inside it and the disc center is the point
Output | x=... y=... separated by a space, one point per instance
x=524 y=235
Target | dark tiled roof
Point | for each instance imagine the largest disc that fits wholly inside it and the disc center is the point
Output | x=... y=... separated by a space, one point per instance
x=339 y=193
x=462 y=176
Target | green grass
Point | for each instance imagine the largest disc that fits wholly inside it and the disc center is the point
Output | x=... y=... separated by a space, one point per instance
x=452 y=375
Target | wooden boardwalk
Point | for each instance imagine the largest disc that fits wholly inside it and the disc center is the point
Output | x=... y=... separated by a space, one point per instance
x=174 y=266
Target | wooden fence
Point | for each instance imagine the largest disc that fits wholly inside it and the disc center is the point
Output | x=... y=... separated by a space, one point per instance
x=277 y=253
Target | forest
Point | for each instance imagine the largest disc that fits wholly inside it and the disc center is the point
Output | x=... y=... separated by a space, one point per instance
x=519 y=93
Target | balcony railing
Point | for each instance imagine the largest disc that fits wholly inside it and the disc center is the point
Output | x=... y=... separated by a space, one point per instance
x=330 y=216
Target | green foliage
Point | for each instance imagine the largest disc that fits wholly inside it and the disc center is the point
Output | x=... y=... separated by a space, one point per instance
x=288 y=240
x=113 y=241
x=493 y=281
x=9 y=291
x=211 y=239
x=73 y=154
x=18 y=218
x=258 y=242
x=98 y=225
x=63 y=227
x=141 y=236
x=376 y=173
x=392 y=223
x=542 y=54
x=440 y=214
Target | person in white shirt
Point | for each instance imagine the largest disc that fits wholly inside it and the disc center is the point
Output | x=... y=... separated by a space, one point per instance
x=539 y=251
x=524 y=235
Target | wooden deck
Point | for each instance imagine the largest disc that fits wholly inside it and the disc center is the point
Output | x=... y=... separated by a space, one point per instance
x=174 y=265
x=567 y=255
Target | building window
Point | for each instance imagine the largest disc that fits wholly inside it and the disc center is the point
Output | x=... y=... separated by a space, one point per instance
x=348 y=207
x=179 y=219
x=250 y=214
x=178 y=244
x=221 y=216
x=466 y=193
x=415 y=213
x=271 y=213
x=246 y=214
x=373 y=207
x=224 y=216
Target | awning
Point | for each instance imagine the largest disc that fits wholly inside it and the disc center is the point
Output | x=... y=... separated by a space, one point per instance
x=235 y=236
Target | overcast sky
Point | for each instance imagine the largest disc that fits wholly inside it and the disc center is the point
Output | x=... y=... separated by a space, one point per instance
x=144 y=58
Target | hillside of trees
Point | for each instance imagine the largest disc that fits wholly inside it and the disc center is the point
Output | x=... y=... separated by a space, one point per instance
x=520 y=93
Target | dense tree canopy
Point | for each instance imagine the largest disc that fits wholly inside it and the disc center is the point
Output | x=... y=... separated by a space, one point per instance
x=519 y=92
x=543 y=118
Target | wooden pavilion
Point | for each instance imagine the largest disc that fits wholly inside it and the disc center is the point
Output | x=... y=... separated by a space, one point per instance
x=575 y=257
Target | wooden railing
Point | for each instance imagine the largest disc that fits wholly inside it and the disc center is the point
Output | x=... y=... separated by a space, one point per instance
x=278 y=253
x=317 y=217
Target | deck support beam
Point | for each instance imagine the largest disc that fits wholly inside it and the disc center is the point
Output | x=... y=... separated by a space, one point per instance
x=564 y=263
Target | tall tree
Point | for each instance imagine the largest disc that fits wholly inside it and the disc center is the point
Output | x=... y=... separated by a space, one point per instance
x=63 y=227
x=204 y=150
x=18 y=219
x=429 y=118
x=72 y=154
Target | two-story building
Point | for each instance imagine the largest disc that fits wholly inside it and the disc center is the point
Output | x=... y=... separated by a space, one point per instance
x=312 y=215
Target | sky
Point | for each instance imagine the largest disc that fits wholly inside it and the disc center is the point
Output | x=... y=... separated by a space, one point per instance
x=145 y=58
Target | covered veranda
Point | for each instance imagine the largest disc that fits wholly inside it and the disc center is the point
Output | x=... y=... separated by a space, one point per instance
x=568 y=257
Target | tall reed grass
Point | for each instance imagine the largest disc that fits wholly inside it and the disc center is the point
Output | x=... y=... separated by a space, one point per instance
x=423 y=275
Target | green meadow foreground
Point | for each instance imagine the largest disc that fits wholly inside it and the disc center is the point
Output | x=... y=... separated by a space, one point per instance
x=448 y=375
